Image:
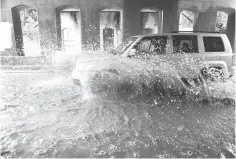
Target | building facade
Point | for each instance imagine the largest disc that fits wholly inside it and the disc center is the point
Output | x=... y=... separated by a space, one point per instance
x=39 y=27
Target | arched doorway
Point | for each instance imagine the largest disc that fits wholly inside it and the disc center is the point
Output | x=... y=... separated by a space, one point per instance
x=26 y=30
x=221 y=21
x=69 y=29
x=187 y=20
x=111 y=31
x=151 y=21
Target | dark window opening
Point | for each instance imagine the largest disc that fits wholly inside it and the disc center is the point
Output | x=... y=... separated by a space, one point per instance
x=185 y=44
x=213 y=44
x=108 y=35
x=110 y=29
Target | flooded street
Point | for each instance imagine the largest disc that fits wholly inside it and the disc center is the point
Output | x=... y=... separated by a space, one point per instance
x=117 y=79
x=43 y=115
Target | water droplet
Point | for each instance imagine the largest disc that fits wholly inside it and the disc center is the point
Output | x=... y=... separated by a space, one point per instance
x=190 y=153
x=155 y=101
x=180 y=128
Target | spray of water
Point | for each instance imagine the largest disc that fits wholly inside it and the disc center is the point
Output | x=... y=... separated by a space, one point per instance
x=123 y=78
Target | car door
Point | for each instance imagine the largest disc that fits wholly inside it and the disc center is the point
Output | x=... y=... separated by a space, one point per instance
x=159 y=48
x=185 y=53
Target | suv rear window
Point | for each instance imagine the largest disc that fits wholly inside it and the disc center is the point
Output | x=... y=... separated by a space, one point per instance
x=185 y=44
x=213 y=44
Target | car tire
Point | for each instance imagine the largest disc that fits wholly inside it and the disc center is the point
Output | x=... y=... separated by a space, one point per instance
x=213 y=74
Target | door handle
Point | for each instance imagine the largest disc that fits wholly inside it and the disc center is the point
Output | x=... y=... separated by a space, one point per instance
x=219 y=57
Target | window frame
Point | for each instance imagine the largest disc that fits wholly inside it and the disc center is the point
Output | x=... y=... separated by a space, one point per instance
x=67 y=43
x=214 y=36
x=140 y=41
x=198 y=46
x=151 y=38
x=166 y=52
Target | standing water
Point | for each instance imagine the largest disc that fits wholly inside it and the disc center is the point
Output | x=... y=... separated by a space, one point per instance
x=123 y=108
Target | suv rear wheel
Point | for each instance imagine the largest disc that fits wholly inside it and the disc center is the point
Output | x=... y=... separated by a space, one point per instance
x=213 y=74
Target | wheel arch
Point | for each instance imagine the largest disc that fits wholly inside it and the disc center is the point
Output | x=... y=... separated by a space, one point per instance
x=219 y=65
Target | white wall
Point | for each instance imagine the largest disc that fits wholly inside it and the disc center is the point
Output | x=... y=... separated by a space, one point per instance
x=6 y=33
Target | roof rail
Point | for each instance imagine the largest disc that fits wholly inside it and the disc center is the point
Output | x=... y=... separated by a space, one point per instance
x=194 y=32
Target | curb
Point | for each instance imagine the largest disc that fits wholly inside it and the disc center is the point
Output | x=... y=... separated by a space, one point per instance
x=32 y=69
x=25 y=68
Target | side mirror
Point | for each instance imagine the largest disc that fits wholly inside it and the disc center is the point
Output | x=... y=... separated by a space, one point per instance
x=132 y=52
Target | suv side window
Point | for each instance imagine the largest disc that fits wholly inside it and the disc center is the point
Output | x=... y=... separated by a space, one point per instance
x=152 y=45
x=144 y=45
x=158 y=45
x=213 y=44
x=185 y=44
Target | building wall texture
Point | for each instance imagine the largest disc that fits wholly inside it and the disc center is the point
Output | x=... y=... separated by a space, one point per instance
x=47 y=16
x=90 y=17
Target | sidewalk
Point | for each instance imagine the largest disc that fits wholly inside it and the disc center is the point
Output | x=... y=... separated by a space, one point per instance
x=25 y=68
x=18 y=64
x=24 y=64
x=34 y=69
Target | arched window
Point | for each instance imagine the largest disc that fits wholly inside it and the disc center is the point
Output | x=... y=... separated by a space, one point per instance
x=221 y=22
x=186 y=20
x=68 y=39
x=151 y=21
x=111 y=28
x=69 y=29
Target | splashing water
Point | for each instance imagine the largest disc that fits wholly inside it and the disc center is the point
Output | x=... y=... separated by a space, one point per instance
x=134 y=108
x=116 y=77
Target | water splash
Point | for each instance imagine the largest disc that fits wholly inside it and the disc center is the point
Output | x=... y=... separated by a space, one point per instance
x=117 y=77
x=134 y=109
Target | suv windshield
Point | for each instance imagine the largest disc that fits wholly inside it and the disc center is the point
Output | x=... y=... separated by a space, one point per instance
x=124 y=45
